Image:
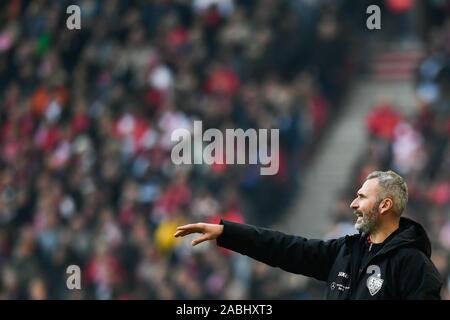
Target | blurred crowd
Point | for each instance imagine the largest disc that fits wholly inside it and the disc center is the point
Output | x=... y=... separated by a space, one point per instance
x=86 y=118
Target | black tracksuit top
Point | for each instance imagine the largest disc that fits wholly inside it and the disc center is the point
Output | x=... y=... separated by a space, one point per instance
x=401 y=269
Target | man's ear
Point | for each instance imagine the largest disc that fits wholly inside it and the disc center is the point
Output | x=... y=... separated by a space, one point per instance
x=385 y=205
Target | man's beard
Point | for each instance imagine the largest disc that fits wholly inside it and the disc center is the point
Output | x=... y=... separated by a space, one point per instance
x=367 y=223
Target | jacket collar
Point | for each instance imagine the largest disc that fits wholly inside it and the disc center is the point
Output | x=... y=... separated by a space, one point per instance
x=409 y=233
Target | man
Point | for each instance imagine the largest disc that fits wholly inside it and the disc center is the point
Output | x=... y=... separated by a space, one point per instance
x=388 y=259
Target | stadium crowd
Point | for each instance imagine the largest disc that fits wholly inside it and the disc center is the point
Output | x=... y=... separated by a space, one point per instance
x=86 y=118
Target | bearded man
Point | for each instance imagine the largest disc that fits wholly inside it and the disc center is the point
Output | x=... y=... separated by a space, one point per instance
x=388 y=259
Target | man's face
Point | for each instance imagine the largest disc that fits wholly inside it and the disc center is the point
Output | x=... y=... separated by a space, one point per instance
x=365 y=207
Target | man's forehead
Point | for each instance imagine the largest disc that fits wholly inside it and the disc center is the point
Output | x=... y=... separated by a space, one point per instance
x=369 y=186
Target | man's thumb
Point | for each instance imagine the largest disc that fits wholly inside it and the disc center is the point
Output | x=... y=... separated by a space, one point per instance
x=199 y=240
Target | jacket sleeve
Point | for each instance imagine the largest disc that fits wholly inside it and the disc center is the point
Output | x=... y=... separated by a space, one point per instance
x=419 y=278
x=312 y=258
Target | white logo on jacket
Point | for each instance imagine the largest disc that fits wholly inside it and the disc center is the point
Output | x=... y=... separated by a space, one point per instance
x=374 y=282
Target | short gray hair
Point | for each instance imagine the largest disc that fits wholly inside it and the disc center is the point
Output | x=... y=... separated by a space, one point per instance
x=392 y=186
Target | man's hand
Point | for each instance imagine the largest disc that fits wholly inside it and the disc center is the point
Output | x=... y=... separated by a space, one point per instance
x=209 y=231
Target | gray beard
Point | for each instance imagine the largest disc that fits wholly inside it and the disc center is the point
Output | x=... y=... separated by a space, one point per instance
x=369 y=223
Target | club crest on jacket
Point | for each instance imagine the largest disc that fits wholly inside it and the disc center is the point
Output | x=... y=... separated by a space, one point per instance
x=374 y=282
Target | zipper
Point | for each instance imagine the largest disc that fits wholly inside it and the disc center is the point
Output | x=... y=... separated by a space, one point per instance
x=356 y=267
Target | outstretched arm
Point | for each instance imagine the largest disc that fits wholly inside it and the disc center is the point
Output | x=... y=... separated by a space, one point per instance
x=295 y=254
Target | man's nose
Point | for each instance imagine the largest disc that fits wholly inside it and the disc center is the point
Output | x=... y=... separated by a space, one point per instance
x=354 y=204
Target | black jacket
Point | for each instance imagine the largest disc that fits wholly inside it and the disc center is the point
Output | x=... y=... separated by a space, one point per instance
x=402 y=269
